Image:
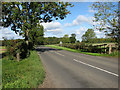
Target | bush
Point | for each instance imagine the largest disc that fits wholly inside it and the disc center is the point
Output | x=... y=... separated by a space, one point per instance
x=16 y=46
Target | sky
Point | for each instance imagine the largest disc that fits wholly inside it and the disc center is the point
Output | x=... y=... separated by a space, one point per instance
x=77 y=22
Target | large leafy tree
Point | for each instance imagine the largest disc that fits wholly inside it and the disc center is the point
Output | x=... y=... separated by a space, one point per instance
x=66 y=39
x=73 y=38
x=107 y=15
x=89 y=36
x=36 y=35
x=23 y=16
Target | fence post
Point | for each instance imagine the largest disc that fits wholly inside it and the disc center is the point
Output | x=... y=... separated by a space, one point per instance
x=105 y=48
x=18 y=56
x=110 y=48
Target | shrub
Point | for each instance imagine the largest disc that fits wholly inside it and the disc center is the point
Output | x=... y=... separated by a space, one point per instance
x=16 y=48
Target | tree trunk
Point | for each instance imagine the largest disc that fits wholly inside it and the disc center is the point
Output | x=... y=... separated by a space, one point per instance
x=26 y=37
x=27 y=41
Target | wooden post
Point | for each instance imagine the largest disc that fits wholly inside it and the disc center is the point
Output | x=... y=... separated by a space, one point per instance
x=110 y=49
x=105 y=48
x=18 y=57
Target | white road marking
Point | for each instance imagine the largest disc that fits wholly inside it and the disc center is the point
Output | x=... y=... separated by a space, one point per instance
x=59 y=54
x=96 y=68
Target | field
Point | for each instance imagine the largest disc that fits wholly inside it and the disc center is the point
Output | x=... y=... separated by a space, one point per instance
x=2 y=49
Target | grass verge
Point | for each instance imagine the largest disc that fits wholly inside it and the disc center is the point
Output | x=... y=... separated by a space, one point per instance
x=28 y=73
x=0 y=74
x=87 y=53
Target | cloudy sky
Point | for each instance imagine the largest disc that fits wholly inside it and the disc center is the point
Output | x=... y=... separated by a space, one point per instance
x=77 y=22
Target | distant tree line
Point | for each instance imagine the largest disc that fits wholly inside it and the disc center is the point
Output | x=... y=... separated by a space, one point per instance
x=64 y=39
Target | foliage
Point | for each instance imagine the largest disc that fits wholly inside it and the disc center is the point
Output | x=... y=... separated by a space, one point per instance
x=72 y=38
x=103 y=40
x=52 y=40
x=56 y=40
x=36 y=35
x=24 y=16
x=88 y=47
x=89 y=36
x=79 y=51
x=107 y=15
x=16 y=46
x=28 y=73
x=66 y=39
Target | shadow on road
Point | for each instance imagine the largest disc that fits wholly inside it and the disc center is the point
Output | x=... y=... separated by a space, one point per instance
x=43 y=49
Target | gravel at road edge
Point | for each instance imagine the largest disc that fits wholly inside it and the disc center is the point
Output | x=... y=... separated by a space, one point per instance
x=47 y=83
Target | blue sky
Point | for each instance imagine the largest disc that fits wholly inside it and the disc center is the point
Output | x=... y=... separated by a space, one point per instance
x=77 y=22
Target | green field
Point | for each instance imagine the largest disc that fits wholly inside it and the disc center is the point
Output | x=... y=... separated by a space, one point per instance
x=28 y=73
x=115 y=54
x=2 y=47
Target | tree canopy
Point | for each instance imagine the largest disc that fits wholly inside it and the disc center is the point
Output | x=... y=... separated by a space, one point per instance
x=107 y=15
x=25 y=15
x=89 y=36
x=73 y=38
x=65 y=38
x=36 y=35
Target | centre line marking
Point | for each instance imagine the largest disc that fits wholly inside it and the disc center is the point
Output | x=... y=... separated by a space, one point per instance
x=96 y=68
x=59 y=53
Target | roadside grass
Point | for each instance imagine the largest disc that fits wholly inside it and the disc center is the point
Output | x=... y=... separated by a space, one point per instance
x=0 y=74
x=115 y=54
x=28 y=73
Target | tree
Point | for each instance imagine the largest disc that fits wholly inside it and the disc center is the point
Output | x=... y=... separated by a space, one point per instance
x=89 y=36
x=107 y=14
x=36 y=35
x=72 y=38
x=24 y=16
x=66 y=39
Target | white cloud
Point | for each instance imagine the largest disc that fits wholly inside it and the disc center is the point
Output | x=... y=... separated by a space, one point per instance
x=53 y=27
x=81 y=30
x=81 y=19
x=91 y=10
x=100 y=34
x=9 y=34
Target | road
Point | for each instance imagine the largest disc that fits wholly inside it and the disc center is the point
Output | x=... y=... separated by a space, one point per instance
x=74 y=70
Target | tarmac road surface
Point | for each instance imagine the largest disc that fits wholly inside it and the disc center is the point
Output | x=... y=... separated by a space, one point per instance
x=74 y=70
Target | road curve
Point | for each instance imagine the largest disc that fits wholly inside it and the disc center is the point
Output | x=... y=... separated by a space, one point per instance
x=74 y=70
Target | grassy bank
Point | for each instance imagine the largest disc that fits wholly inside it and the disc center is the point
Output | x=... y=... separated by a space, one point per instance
x=78 y=51
x=28 y=73
x=0 y=73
